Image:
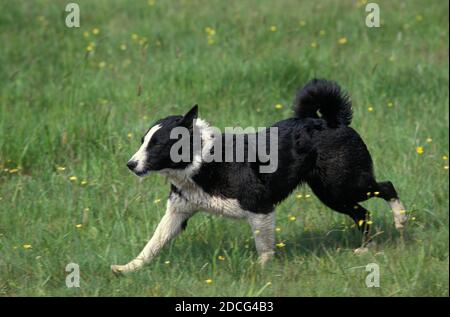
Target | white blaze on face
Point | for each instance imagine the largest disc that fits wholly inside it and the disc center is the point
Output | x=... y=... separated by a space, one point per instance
x=141 y=155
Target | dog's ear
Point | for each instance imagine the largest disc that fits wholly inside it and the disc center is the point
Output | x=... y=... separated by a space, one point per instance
x=190 y=116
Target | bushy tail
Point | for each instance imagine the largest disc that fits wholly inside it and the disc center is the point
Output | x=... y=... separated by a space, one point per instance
x=327 y=98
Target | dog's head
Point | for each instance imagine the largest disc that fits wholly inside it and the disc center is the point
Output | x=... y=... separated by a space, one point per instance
x=154 y=152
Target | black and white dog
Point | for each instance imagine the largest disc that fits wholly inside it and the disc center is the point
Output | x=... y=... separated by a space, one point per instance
x=316 y=147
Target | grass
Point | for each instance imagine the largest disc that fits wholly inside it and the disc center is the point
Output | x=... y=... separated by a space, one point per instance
x=84 y=112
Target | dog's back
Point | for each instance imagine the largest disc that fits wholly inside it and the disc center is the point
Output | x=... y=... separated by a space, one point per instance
x=321 y=110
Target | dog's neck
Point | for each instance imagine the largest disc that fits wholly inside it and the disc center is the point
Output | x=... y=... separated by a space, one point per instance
x=182 y=178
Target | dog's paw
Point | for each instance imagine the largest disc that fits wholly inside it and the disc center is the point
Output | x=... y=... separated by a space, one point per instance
x=400 y=217
x=365 y=248
x=118 y=269
x=361 y=250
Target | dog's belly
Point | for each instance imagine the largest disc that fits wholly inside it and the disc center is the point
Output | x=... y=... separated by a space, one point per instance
x=201 y=200
x=214 y=204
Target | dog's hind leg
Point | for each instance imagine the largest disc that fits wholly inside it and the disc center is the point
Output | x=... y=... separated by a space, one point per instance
x=177 y=213
x=387 y=191
x=263 y=227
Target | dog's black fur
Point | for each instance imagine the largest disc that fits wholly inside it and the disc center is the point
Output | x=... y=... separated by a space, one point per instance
x=316 y=147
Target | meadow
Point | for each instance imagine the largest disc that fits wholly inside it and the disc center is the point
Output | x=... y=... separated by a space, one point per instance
x=74 y=103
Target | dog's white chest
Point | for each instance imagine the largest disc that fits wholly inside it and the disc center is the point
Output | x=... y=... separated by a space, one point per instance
x=201 y=200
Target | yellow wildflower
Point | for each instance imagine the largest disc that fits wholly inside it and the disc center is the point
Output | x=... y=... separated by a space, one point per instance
x=95 y=31
x=84 y=183
x=445 y=157
x=90 y=47
x=370 y=109
x=13 y=170
x=167 y=262
x=73 y=178
x=278 y=106
x=277 y=229
x=299 y=196
x=429 y=140
x=292 y=218
x=342 y=41
x=60 y=168
x=130 y=135
x=27 y=246
x=307 y=196
x=86 y=34
x=156 y=201
x=419 y=150
x=273 y=28
x=221 y=258
x=313 y=44
x=78 y=226
x=390 y=104
x=143 y=41
x=123 y=47
x=208 y=281
x=360 y=223
x=280 y=245
x=361 y=3
x=210 y=31
x=102 y=64
x=134 y=37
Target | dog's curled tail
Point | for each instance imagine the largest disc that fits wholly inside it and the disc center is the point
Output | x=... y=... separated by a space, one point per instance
x=327 y=98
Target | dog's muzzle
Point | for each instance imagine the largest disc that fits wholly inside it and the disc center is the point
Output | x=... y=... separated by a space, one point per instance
x=132 y=165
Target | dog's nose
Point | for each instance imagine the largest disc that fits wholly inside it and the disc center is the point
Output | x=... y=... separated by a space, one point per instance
x=132 y=164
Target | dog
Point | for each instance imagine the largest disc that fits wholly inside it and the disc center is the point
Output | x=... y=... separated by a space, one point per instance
x=316 y=146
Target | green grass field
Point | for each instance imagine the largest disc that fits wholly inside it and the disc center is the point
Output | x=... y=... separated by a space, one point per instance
x=75 y=102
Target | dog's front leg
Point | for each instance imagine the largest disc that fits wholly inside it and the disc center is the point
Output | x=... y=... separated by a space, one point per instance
x=170 y=225
x=263 y=227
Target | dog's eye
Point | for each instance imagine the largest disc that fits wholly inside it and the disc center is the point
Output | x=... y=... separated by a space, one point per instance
x=153 y=142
